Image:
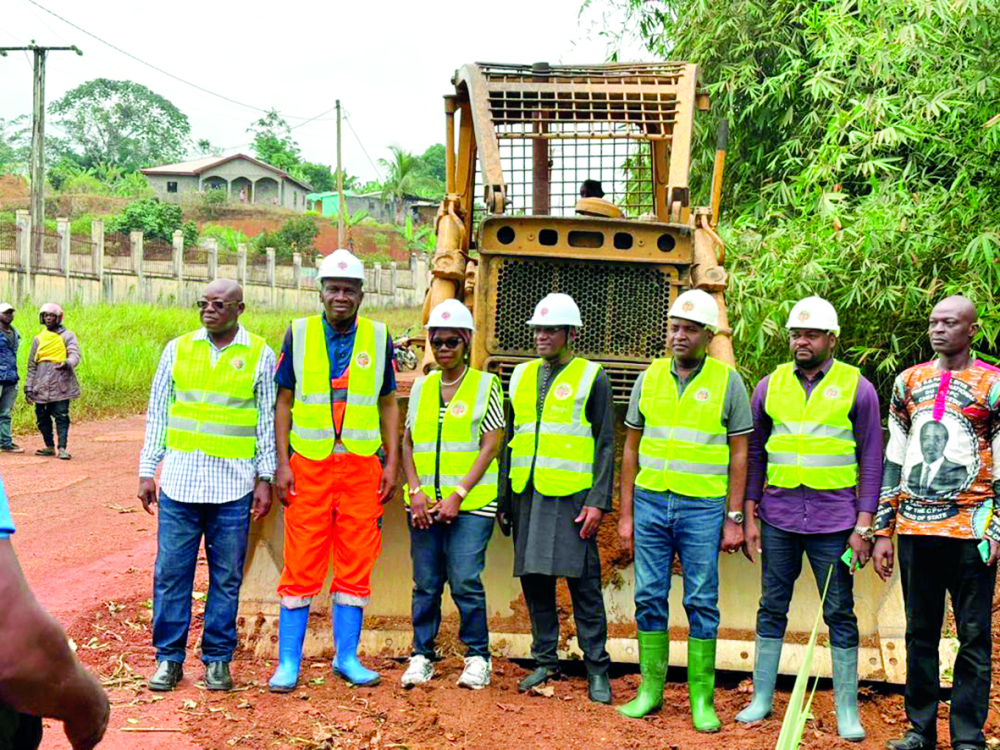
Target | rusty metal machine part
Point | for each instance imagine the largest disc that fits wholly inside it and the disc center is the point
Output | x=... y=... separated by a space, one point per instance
x=520 y=139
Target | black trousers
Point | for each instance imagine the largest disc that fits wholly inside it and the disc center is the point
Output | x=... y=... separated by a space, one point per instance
x=46 y=414
x=588 y=611
x=930 y=567
x=19 y=731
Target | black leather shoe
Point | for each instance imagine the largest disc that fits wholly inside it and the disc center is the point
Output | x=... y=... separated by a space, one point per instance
x=217 y=676
x=166 y=676
x=910 y=741
x=599 y=688
x=540 y=676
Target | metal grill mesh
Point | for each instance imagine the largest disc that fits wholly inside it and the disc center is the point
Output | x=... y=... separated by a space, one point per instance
x=624 y=307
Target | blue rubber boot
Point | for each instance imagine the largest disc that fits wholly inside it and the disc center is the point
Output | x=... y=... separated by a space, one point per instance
x=346 y=632
x=765 y=674
x=291 y=633
x=845 y=693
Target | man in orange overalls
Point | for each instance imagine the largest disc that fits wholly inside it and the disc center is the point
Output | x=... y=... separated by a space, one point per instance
x=336 y=409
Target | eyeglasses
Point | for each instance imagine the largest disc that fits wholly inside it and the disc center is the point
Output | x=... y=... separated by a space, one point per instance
x=215 y=304
x=451 y=343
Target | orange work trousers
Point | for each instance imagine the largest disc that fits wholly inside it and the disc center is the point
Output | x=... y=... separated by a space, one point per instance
x=336 y=506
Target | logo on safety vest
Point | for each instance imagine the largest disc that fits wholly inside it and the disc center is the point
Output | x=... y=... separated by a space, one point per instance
x=563 y=391
x=701 y=395
x=239 y=363
x=832 y=392
x=459 y=408
x=363 y=360
x=688 y=306
x=803 y=316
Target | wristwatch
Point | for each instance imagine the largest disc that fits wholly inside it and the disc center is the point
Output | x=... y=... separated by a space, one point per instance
x=867 y=533
x=736 y=516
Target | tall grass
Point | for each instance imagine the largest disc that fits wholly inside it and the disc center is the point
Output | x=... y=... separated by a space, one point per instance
x=121 y=346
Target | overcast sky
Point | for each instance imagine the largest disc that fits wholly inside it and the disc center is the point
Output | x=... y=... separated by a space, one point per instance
x=389 y=62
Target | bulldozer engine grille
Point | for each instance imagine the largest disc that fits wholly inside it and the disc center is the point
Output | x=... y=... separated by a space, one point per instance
x=624 y=307
x=621 y=166
x=622 y=376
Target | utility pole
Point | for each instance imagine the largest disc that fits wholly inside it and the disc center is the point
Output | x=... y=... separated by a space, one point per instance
x=340 y=188
x=37 y=205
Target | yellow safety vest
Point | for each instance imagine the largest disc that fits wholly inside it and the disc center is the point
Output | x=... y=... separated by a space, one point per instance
x=684 y=447
x=557 y=448
x=214 y=409
x=313 y=433
x=812 y=440
x=446 y=455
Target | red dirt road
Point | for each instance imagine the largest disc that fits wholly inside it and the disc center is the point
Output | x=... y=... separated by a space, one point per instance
x=87 y=549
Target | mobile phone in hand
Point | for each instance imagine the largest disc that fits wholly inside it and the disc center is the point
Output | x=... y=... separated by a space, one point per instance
x=846 y=559
x=984 y=550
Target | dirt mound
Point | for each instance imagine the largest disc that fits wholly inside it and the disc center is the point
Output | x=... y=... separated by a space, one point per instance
x=13 y=189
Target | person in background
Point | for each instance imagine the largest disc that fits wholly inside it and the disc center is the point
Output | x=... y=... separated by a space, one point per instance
x=39 y=675
x=10 y=340
x=591 y=189
x=51 y=383
x=683 y=474
x=453 y=431
x=560 y=468
x=949 y=535
x=817 y=445
x=211 y=422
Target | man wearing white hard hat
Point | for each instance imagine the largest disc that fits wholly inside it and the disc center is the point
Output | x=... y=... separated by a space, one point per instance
x=336 y=410
x=453 y=431
x=814 y=477
x=682 y=479
x=560 y=463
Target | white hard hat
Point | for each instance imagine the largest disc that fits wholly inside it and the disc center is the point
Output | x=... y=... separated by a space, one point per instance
x=556 y=309
x=450 y=314
x=341 y=264
x=816 y=313
x=697 y=306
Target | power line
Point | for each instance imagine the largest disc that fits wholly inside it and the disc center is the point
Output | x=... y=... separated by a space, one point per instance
x=161 y=70
x=378 y=172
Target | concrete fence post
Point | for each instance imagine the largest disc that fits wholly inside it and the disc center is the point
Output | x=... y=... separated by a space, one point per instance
x=24 y=279
x=97 y=248
x=178 y=257
x=271 y=278
x=413 y=267
x=420 y=280
x=393 y=270
x=65 y=240
x=136 y=241
x=377 y=286
x=241 y=264
x=297 y=270
x=212 y=257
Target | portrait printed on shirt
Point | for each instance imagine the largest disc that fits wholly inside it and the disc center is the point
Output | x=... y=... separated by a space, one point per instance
x=942 y=459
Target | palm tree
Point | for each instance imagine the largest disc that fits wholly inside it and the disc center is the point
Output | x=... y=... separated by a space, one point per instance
x=405 y=174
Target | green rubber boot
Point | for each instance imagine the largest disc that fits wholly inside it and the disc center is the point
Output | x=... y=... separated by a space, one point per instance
x=701 y=684
x=654 y=656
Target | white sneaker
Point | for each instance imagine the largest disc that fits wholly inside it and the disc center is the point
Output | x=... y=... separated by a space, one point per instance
x=476 y=674
x=418 y=672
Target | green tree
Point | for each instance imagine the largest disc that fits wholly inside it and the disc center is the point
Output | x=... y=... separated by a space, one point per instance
x=273 y=142
x=121 y=123
x=15 y=146
x=434 y=158
x=204 y=147
x=319 y=176
x=859 y=166
x=406 y=174
x=296 y=235
x=154 y=219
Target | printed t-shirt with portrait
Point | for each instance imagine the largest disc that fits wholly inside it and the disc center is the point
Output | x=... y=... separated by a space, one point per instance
x=940 y=472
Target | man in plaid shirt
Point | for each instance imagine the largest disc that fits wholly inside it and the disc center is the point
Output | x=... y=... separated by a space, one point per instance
x=211 y=422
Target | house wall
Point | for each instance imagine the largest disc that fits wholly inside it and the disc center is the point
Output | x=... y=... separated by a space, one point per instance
x=185 y=183
x=266 y=184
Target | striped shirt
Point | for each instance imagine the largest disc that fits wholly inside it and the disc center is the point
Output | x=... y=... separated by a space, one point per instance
x=195 y=477
x=492 y=421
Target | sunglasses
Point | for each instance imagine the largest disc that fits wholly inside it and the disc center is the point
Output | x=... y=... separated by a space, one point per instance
x=451 y=343
x=215 y=304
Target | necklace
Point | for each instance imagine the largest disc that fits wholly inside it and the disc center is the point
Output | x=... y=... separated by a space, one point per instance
x=456 y=380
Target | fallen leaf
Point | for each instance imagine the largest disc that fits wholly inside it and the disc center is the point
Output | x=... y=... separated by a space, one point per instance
x=188 y=703
x=132 y=721
x=317 y=681
x=548 y=691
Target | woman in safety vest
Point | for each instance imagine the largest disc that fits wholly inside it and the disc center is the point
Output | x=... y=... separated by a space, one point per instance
x=453 y=434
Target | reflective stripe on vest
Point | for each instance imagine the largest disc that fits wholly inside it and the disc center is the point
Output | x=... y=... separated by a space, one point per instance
x=684 y=446
x=812 y=440
x=459 y=438
x=556 y=448
x=214 y=409
x=313 y=434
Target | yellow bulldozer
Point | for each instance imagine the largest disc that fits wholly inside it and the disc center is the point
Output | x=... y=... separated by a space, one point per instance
x=519 y=142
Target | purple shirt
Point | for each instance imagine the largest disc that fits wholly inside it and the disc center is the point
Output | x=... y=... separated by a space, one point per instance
x=801 y=510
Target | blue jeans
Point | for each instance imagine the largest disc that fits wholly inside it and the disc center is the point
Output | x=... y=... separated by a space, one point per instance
x=455 y=553
x=666 y=524
x=180 y=528
x=781 y=564
x=8 y=393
